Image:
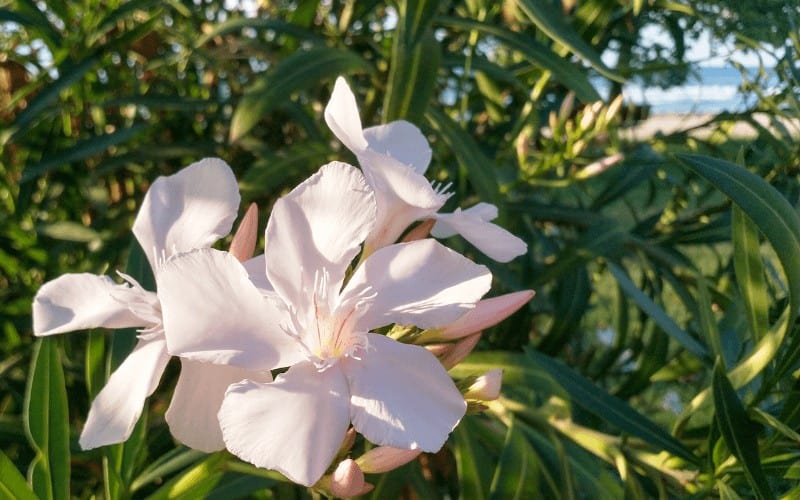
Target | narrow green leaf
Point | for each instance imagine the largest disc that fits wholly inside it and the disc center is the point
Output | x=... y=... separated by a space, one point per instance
x=172 y=461
x=196 y=482
x=412 y=79
x=516 y=476
x=552 y=22
x=69 y=231
x=259 y=24
x=12 y=484
x=777 y=219
x=739 y=432
x=80 y=151
x=467 y=152
x=300 y=71
x=613 y=410
x=776 y=424
x=749 y=270
x=47 y=422
x=656 y=313
x=69 y=73
x=535 y=52
x=472 y=462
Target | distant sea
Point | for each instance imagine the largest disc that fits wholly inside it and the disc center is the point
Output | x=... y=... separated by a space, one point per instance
x=711 y=90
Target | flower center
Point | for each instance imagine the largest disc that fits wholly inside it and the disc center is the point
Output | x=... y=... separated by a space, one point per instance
x=331 y=326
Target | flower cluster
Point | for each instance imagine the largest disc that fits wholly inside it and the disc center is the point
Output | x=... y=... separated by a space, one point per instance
x=332 y=275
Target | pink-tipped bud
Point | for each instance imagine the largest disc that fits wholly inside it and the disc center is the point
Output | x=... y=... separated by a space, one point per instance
x=420 y=231
x=599 y=166
x=486 y=313
x=243 y=244
x=486 y=387
x=385 y=458
x=348 y=480
x=459 y=351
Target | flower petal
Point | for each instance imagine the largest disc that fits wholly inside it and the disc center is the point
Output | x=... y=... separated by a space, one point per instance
x=443 y=228
x=401 y=396
x=192 y=413
x=319 y=226
x=117 y=407
x=294 y=425
x=491 y=239
x=257 y=272
x=190 y=209
x=213 y=313
x=403 y=141
x=421 y=283
x=402 y=196
x=78 y=302
x=341 y=115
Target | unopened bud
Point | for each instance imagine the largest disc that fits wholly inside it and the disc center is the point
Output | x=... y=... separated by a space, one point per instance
x=599 y=166
x=486 y=313
x=243 y=244
x=486 y=387
x=385 y=458
x=346 y=481
x=459 y=351
x=420 y=231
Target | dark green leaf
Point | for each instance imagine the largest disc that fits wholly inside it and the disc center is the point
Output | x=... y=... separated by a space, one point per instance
x=739 y=432
x=552 y=22
x=750 y=273
x=516 y=476
x=80 y=151
x=657 y=314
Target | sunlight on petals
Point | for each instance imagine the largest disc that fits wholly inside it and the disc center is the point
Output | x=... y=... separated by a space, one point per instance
x=318 y=225
x=213 y=313
x=118 y=406
x=192 y=413
x=294 y=425
x=402 y=397
x=192 y=208
x=422 y=283
x=79 y=302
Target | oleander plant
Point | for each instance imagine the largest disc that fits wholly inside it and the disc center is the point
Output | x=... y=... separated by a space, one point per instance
x=394 y=249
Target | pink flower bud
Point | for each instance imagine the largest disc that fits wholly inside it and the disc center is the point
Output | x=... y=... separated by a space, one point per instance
x=486 y=387
x=486 y=313
x=348 y=480
x=460 y=350
x=243 y=244
x=385 y=458
x=420 y=231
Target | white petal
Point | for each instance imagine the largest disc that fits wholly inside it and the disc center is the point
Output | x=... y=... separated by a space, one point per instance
x=341 y=115
x=294 y=425
x=190 y=209
x=402 y=196
x=78 y=302
x=482 y=211
x=117 y=407
x=192 y=413
x=401 y=396
x=319 y=226
x=491 y=239
x=257 y=272
x=421 y=283
x=402 y=141
x=213 y=313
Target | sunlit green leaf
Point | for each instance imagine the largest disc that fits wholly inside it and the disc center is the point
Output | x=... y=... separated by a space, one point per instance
x=12 y=484
x=302 y=70
x=750 y=273
x=615 y=411
x=47 y=422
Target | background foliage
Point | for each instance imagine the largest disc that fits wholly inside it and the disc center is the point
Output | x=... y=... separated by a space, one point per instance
x=659 y=356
